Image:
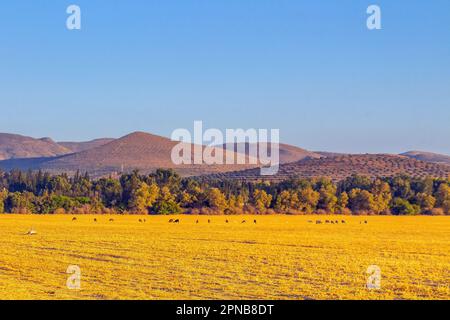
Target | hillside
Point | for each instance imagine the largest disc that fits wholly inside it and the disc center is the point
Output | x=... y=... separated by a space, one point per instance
x=85 y=145
x=428 y=156
x=14 y=146
x=139 y=150
x=288 y=153
x=340 y=167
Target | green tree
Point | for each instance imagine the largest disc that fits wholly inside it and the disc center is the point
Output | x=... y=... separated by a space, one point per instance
x=425 y=201
x=342 y=201
x=381 y=195
x=443 y=197
x=166 y=203
x=261 y=200
x=308 y=199
x=361 y=201
x=216 y=199
x=403 y=207
x=143 y=197
x=3 y=196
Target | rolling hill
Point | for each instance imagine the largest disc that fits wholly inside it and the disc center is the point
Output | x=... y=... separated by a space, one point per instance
x=139 y=150
x=85 y=145
x=14 y=146
x=342 y=166
x=288 y=153
x=428 y=156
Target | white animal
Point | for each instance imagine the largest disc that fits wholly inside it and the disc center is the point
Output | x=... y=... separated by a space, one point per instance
x=31 y=232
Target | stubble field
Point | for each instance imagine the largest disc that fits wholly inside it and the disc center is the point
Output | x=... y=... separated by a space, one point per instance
x=279 y=257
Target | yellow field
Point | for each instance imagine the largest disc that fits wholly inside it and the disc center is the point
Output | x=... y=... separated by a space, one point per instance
x=281 y=257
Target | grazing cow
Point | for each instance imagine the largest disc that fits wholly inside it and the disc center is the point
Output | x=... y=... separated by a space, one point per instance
x=171 y=220
x=95 y=220
x=327 y=221
x=177 y=221
x=196 y=221
x=111 y=220
x=74 y=219
x=337 y=222
x=365 y=222
x=254 y=221
x=140 y=220
x=209 y=221
x=310 y=221
x=343 y=221
x=318 y=221
x=243 y=221
x=332 y=222
x=226 y=221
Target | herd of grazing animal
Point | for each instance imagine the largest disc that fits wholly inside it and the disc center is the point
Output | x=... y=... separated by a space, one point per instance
x=177 y=221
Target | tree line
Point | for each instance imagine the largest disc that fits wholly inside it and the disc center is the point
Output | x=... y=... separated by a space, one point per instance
x=165 y=192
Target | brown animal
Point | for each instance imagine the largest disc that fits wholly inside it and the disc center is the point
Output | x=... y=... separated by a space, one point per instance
x=140 y=220
x=74 y=219
x=95 y=220
x=111 y=220
x=318 y=221
x=171 y=220
x=209 y=221
x=343 y=221
x=243 y=221
x=226 y=221
x=196 y=221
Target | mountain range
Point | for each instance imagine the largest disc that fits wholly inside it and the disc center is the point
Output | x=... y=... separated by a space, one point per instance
x=147 y=152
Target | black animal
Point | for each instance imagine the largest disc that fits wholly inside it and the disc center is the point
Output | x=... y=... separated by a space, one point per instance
x=254 y=221
x=226 y=221
x=177 y=221
x=95 y=220
x=365 y=222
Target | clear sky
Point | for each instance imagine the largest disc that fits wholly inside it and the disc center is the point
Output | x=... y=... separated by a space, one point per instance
x=310 y=68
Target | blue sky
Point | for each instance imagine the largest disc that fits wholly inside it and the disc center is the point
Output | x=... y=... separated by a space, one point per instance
x=310 y=68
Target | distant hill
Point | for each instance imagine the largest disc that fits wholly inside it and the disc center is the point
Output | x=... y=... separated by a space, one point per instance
x=82 y=146
x=288 y=153
x=340 y=167
x=14 y=146
x=139 y=150
x=428 y=156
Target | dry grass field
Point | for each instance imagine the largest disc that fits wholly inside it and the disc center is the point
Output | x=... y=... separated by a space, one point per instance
x=280 y=257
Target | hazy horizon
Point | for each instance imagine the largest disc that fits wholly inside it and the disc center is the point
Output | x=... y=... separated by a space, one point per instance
x=312 y=70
